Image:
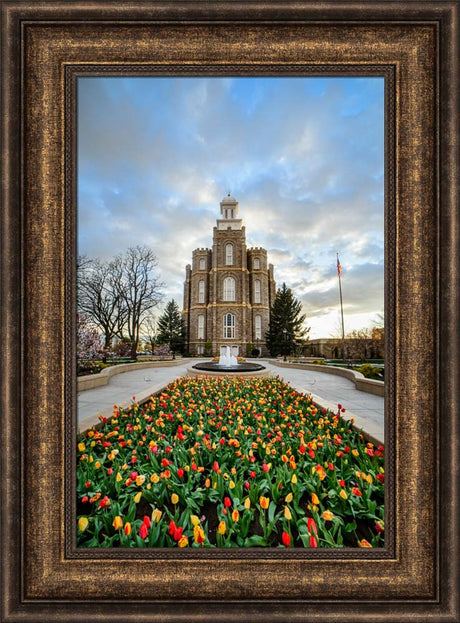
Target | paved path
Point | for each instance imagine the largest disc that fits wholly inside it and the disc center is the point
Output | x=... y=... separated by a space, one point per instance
x=327 y=390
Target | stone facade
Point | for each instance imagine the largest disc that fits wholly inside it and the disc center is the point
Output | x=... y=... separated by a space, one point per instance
x=228 y=291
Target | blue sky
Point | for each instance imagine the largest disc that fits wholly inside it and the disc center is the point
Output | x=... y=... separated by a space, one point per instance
x=303 y=156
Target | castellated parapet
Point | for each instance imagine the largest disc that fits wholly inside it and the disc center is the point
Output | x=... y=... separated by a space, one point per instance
x=228 y=291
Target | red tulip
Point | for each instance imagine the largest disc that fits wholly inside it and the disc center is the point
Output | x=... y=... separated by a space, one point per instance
x=311 y=525
x=215 y=466
x=227 y=502
x=143 y=531
x=180 y=472
x=356 y=491
x=286 y=538
x=313 y=542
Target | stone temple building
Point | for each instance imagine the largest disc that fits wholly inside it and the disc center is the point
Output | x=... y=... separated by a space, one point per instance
x=228 y=291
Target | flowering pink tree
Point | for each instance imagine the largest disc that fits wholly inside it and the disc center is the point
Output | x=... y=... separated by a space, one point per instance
x=89 y=344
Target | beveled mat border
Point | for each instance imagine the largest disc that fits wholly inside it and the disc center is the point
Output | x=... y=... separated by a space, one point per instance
x=42 y=584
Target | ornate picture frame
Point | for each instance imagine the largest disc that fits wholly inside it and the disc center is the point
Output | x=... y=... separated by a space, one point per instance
x=45 y=47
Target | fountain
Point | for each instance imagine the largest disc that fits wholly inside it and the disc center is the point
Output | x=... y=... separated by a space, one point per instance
x=228 y=365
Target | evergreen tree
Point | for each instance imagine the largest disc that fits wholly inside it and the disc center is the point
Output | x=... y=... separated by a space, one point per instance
x=286 y=328
x=171 y=329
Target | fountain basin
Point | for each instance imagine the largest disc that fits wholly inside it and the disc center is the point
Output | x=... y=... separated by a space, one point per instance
x=211 y=368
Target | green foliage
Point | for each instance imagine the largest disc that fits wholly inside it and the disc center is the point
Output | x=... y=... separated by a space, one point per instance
x=248 y=349
x=286 y=323
x=369 y=371
x=207 y=348
x=171 y=329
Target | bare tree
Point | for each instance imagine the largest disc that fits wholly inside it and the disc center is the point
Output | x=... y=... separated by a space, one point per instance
x=138 y=287
x=98 y=299
x=149 y=330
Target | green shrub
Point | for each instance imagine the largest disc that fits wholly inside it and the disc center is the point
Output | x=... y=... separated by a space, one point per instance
x=369 y=371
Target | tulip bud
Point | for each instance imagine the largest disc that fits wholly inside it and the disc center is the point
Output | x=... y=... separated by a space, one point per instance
x=82 y=524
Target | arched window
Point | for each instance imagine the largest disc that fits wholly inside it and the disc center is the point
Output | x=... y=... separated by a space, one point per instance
x=257 y=291
x=229 y=326
x=258 y=327
x=202 y=263
x=201 y=292
x=201 y=327
x=229 y=289
x=229 y=254
x=256 y=263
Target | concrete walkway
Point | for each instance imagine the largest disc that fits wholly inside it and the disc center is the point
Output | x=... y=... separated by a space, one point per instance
x=327 y=391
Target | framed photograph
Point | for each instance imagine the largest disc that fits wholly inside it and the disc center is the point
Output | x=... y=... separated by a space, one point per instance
x=50 y=50
x=190 y=285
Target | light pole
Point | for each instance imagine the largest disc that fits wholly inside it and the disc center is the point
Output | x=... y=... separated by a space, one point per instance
x=285 y=343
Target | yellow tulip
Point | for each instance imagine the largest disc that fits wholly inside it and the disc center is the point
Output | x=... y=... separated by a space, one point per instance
x=137 y=497
x=156 y=515
x=264 y=502
x=247 y=503
x=314 y=498
x=118 y=477
x=294 y=479
x=174 y=498
x=222 y=527
x=343 y=494
x=81 y=447
x=82 y=524
x=117 y=522
x=154 y=478
x=195 y=520
x=328 y=516
x=183 y=541
x=140 y=480
x=231 y=484
x=355 y=452
x=198 y=534
x=235 y=515
x=287 y=513
x=288 y=498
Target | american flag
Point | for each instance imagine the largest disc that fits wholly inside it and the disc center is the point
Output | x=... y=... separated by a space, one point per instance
x=339 y=267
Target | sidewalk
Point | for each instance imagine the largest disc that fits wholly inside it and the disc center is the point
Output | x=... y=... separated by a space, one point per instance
x=327 y=391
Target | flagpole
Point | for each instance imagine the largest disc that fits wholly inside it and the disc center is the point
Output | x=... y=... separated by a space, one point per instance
x=339 y=272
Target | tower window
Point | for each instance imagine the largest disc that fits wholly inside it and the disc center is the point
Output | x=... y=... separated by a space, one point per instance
x=258 y=327
x=229 y=326
x=229 y=254
x=229 y=289
x=256 y=263
x=201 y=292
x=202 y=264
x=201 y=327
x=257 y=291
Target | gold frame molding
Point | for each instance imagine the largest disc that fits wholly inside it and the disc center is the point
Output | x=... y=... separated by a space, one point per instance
x=45 y=46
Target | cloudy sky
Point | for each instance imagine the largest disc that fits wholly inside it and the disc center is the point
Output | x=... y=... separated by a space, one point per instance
x=303 y=156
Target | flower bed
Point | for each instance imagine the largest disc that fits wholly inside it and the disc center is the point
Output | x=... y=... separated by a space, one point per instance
x=228 y=463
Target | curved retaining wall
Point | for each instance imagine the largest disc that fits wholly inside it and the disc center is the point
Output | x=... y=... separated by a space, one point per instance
x=365 y=385
x=98 y=380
